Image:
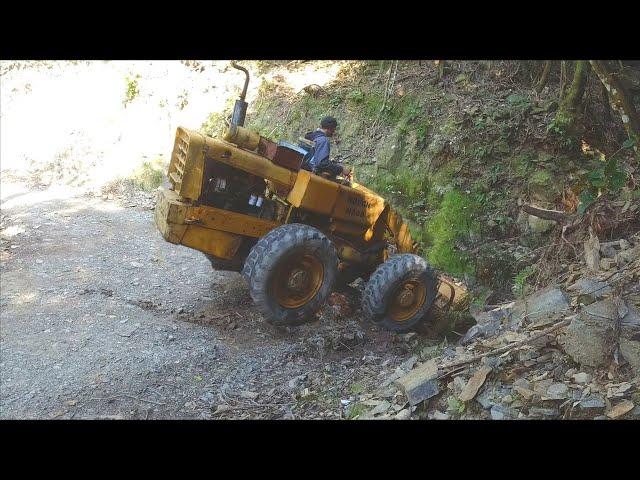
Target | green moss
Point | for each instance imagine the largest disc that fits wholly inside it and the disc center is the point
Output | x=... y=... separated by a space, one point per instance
x=540 y=177
x=406 y=110
x=566 y=118
x=407 y=186
x=442 y=181
x=372 y=105
x=521 y=164
x=462 y=78
x=455 y=221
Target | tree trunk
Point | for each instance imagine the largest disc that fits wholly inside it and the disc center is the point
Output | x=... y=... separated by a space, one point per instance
x=587 y=95
x=607 y=105
x=544 y=78
x=563 y=77
x=620 y=102
x=569 y=105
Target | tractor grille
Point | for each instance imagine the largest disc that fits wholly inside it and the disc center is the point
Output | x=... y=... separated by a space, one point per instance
x=187 y=163
x=178 y=160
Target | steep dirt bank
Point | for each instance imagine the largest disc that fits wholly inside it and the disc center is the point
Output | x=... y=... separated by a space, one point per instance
x=459 y=151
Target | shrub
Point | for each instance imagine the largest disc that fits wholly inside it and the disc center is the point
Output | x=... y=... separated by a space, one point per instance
x=132 y=89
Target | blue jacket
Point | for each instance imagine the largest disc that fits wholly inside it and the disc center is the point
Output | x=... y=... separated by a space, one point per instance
x=321 y=149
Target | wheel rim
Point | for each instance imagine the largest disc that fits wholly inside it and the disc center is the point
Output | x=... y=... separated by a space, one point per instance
x=407 y=299
x=298 y=280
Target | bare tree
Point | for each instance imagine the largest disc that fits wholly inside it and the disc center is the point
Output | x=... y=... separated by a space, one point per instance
x=567 y=114
x=620 y=101
x=544 y=78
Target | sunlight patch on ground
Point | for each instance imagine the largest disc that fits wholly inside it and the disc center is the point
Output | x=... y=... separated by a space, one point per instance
x=26 y=298
x=35 y=197
x=12 y=231
x=107 y=207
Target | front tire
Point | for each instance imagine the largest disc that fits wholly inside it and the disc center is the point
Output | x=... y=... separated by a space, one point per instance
x=400 y=293
x=291 y=272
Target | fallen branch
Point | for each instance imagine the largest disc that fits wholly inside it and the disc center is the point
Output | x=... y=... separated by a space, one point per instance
x=411 y=75
x=554 y=215
x=452 y=372
x=507 y=347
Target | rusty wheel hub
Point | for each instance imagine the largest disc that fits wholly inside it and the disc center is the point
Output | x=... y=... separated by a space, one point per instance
x=405 y=297
x=408 y=298
x=298 y=280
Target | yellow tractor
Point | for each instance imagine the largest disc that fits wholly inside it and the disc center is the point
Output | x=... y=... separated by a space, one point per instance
x=245 y=202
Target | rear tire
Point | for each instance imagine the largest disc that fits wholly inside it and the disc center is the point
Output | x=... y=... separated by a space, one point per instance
x=291 y=272
x=400 y=292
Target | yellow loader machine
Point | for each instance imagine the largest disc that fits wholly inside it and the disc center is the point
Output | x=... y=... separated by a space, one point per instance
x=245 y=202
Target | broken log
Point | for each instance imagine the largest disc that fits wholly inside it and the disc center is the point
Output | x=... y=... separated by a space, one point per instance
x=554 y=215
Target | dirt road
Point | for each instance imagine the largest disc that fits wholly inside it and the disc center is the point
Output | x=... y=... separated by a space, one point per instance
x=101 y=318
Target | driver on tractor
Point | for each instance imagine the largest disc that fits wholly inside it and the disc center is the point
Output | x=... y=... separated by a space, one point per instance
x=317 y=159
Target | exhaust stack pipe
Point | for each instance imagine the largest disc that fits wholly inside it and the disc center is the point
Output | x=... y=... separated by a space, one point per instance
x=240 y=107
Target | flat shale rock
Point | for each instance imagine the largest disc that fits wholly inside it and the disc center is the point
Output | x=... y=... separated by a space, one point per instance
x=421 y=383
x=591 y=287
x=501 y=412
x=556 y=391
x=541 y=412
x=620 y=409
x=473 y=385
x=592 y=401
x=487 y=323
x=541 y=308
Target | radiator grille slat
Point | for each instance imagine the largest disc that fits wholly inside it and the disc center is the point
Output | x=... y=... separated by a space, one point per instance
x=179 y=161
